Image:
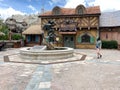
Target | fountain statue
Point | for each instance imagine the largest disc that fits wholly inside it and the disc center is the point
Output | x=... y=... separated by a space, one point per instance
x=49 y=27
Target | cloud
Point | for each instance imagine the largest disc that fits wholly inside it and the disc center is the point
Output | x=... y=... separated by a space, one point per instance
x=105 y=5
x=57 y=2
x=110 y=5
x=31 y=7
x=73 y=3
x=51 y=3
x=8 y=12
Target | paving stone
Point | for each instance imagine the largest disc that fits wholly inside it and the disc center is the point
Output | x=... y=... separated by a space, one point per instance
x=45 y=89
x=46 y=77
x=97 y=73
x=44 y=85
x=35 y=79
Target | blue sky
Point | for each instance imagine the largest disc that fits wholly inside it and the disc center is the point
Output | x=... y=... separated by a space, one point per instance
x=12 y=7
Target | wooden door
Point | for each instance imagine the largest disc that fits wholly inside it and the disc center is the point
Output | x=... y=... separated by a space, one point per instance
x=69 y=41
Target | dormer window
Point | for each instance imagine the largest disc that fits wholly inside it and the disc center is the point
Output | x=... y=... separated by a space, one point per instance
x=80 y=9
x=56 y=10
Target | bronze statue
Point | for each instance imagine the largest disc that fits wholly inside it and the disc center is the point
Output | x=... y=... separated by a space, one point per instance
x=49 y=27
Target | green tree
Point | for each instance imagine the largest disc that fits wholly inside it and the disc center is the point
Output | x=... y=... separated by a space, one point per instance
x=3 y=27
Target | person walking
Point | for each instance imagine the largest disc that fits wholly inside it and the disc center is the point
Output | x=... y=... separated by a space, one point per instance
x=98 y=47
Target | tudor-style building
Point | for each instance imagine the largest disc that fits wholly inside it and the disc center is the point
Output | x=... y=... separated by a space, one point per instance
x=76 y=27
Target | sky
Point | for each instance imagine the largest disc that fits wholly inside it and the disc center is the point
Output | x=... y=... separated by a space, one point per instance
x=12 y=7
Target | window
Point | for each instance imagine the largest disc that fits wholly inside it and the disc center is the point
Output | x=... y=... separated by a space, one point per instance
x=56 y=10
x=80 y=10
x=33 y=38
x=85 y=38
x=106 y=36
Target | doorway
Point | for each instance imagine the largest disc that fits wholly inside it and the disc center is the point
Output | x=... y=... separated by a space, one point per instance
x=69 y=41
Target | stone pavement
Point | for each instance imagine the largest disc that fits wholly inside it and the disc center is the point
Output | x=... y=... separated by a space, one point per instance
x=90 y=74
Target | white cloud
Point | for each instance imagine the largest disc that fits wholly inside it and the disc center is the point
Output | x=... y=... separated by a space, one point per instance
x=110 y=5
x=105 y=5
x=31 y=7
x=51 y=3
x=73 y=3
x=8 y=12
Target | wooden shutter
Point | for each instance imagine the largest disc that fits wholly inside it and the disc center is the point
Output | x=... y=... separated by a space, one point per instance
x=92 y=39
x=79 y=39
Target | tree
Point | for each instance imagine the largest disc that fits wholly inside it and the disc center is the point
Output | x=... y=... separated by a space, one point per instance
x=3 y=27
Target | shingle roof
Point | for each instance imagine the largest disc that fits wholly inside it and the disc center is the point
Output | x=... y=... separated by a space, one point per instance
x=110 y=19
x=71 y=11
x=34 y=29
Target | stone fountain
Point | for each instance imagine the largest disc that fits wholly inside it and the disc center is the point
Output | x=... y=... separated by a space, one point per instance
x=41 y=53
x=47 y=51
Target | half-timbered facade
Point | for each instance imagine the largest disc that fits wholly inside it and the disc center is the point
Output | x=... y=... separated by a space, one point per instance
x=76 y=27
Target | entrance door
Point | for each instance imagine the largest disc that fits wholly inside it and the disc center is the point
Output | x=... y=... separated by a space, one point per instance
x=69 y=41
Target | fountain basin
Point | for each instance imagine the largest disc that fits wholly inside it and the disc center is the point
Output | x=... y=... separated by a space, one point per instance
x=41 y=53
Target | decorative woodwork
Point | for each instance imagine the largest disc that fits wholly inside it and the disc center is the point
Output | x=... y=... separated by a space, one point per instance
x=81 y=22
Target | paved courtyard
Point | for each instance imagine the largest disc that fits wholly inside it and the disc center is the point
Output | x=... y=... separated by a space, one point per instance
x=90 y=74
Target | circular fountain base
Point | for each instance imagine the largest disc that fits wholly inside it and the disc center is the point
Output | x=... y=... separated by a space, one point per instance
x=41 y=53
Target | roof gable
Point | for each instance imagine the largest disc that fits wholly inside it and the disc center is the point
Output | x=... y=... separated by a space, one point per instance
x=72 y=11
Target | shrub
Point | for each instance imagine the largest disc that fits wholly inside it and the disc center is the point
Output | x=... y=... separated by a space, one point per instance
x=110 y=44
x=16 y=37
x=4 y=37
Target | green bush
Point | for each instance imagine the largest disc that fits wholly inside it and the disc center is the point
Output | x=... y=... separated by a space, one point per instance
x=110 y=44
x=16 y=37
x=4 y=37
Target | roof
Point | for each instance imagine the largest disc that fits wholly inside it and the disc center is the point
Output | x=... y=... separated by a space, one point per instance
x=34 y=29
x=110 y=19
x=71 y=11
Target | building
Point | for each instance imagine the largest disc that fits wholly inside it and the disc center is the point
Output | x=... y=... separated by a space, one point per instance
x=110 y=26
x=76 y=27
x=33 y=35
